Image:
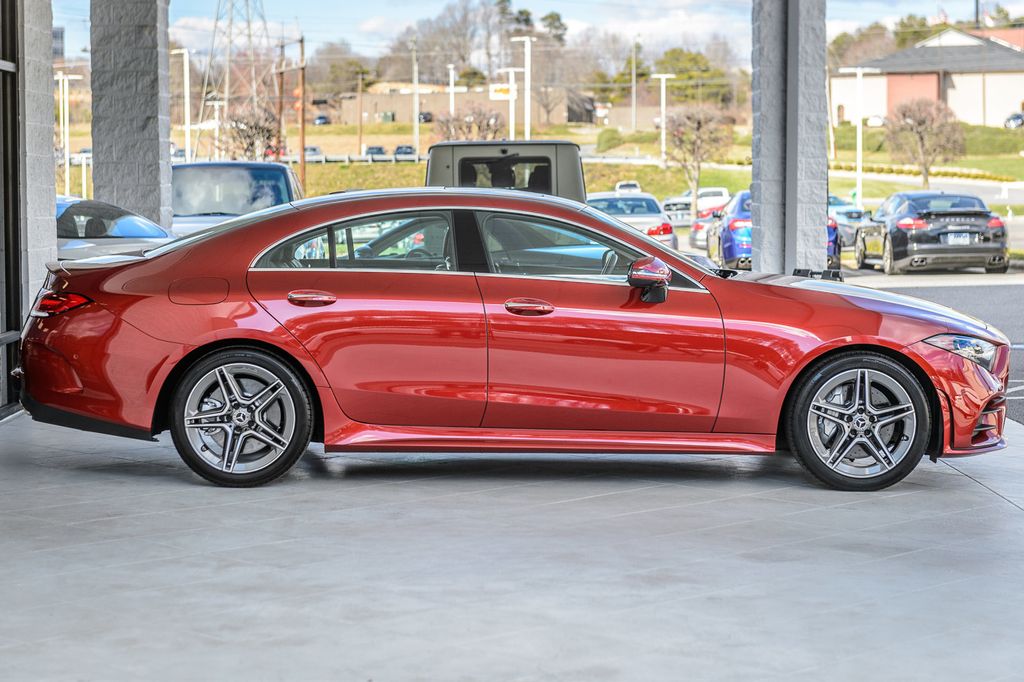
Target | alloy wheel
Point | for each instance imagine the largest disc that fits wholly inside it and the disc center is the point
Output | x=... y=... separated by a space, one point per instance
x=861 y=423
x=239 y=418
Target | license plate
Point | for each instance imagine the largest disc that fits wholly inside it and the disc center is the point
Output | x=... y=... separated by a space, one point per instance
x=958 y=239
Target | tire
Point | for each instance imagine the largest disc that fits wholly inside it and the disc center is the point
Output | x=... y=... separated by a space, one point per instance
x=848 y=447
x=859 y=254
x=998 y=269
x=888 y=266
x=258 y=413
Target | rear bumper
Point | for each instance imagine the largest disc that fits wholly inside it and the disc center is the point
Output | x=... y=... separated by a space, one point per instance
x=47 y=414
x=936 y=256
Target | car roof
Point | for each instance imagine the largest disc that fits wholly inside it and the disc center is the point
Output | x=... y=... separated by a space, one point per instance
x=621 y=195
x=232 y=164
x=500 y=143
x=468 y=192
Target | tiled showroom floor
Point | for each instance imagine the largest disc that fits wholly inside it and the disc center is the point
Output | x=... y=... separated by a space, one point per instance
x=118 y=563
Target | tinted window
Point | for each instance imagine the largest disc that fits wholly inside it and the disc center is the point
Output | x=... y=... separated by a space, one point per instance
x=226 y=190
x=519 y=245
x=308 y=250
x=512 y=172
x=947 y=202
x=96 y=220
x=403 y=241
x=625 y=205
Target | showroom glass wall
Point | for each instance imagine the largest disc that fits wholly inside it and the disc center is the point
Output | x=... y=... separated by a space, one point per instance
x=10 y=247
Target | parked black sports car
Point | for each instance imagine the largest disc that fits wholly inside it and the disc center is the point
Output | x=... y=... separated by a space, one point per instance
x=930 y=231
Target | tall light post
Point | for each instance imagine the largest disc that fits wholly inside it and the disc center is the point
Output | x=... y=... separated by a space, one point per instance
x=636 y=39
x=859 y=71
x=64 y=117
x=664 y=78
x=415 y=99
x=451 y=89
x=527 y=42
x=512 y=92
x=188 y=101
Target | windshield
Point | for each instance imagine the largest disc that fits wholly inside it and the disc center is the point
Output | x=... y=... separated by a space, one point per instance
x=947 y=202
x=616 y=223
x=226 y=190
x=96 y=220
x=625 y=205
x=240 y=221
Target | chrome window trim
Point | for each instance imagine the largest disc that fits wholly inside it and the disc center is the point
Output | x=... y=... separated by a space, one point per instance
x=697 y=286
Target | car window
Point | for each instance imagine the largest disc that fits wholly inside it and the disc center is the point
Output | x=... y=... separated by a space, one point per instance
x=307 y=250
x=532 y=174
x=625 y=205
x=96 y=220
x=398 y=241
x=226 y=190
x=521 y=245
x=947 y=202
x=708 y=193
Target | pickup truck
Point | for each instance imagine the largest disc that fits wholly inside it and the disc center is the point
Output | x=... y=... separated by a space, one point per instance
x=544 y=166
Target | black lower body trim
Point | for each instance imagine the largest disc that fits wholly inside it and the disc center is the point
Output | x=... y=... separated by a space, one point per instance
x=52 y=415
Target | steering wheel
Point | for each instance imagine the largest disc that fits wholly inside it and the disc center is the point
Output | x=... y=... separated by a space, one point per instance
x=419 y=252
x=608 y=262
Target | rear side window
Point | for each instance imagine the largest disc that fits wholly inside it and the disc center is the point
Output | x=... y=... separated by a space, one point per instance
x=532 y=174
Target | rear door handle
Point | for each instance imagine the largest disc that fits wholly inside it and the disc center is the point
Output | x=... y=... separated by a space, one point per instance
x=529 y=307
x=309 y=298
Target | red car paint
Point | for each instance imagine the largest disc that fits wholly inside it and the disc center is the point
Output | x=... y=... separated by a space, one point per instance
x=440 y=360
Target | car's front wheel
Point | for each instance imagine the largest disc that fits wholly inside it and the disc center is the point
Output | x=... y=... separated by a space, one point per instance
x=859 y=421
x=241 y=418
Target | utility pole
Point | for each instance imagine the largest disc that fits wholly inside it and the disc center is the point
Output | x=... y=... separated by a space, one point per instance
x=633 y=82
x=227 y=68
x=664 y=77
x=415 y=99
x=187 y=87
x=280 y=106
x=527 y=42
x=977 y=13
x=302 y=110
x=451 y=89
x=512 y=92
x=359 y=113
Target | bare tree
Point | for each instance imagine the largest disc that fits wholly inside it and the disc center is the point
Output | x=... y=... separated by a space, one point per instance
x=548 y=74
x=474 y=123
x=696 y=134
x=250 y=132
x=924 y=132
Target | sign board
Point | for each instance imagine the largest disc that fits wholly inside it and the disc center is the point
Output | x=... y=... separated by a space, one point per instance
x=500 y=92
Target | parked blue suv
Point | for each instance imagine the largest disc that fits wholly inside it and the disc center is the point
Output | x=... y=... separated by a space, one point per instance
x=729 y=239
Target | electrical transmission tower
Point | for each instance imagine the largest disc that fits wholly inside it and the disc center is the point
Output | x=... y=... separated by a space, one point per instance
x=239 y=68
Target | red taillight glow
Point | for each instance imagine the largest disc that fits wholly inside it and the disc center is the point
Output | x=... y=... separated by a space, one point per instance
x=659 y=230
x=52 y=303
x=737 y=224
x=995 y=222
x=912 y=224
x=833 y=224
x=708 y=212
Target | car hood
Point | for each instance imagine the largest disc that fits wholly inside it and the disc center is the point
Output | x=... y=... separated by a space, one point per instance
x=183 y=226
x=888 y=303
x=73 y=249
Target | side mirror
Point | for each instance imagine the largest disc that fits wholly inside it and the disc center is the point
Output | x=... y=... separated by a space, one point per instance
x=652 y=276
x=867 y=215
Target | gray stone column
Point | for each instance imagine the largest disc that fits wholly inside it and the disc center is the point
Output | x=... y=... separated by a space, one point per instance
x=35 y=130
x=131 y=106
x=790 y=174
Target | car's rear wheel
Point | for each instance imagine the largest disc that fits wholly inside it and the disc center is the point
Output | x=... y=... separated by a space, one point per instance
x=888 y=262
x=997 y=269
x=859 y=421
x=241 y=418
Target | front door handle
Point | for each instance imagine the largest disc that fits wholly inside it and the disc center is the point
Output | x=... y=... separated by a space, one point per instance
x=308 y=298
x=529 y=307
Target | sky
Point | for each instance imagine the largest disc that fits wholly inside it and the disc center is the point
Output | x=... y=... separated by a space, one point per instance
x=369 y=26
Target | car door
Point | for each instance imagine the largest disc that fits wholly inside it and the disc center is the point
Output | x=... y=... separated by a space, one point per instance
x=572 y=346
x=874 y=232
x=380 y=304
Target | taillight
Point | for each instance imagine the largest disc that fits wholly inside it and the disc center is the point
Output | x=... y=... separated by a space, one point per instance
x=995 y=222
x=52 y=303
x=658 y=230
x=833 y=224
x=738 y=224
x=909 y=223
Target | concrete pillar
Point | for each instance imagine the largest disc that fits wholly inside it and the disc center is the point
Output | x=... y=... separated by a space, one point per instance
x=790 y=175
x=35 y=131
x=131 y=131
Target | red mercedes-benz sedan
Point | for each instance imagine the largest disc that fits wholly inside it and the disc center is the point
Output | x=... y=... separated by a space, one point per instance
x=471 y=320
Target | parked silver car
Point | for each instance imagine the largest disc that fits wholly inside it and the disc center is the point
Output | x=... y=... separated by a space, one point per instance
x=639 y=210
x=94 y=228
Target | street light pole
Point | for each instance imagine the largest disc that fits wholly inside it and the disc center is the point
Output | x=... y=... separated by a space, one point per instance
x=664 y=78
x=859 y=71
x=188 y=101
x=415 y=99
x=527 y=42
x=633 y=83
x=512 y=92
x=451 y=89
x=64 y=117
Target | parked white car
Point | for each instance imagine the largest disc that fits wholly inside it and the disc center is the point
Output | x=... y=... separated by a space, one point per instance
x=708 y=199
x=627 y=186
x=639 y=210
x=315 y=154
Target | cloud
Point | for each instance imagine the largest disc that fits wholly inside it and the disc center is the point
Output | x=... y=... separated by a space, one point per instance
x=195 y=33
x=382 y=26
